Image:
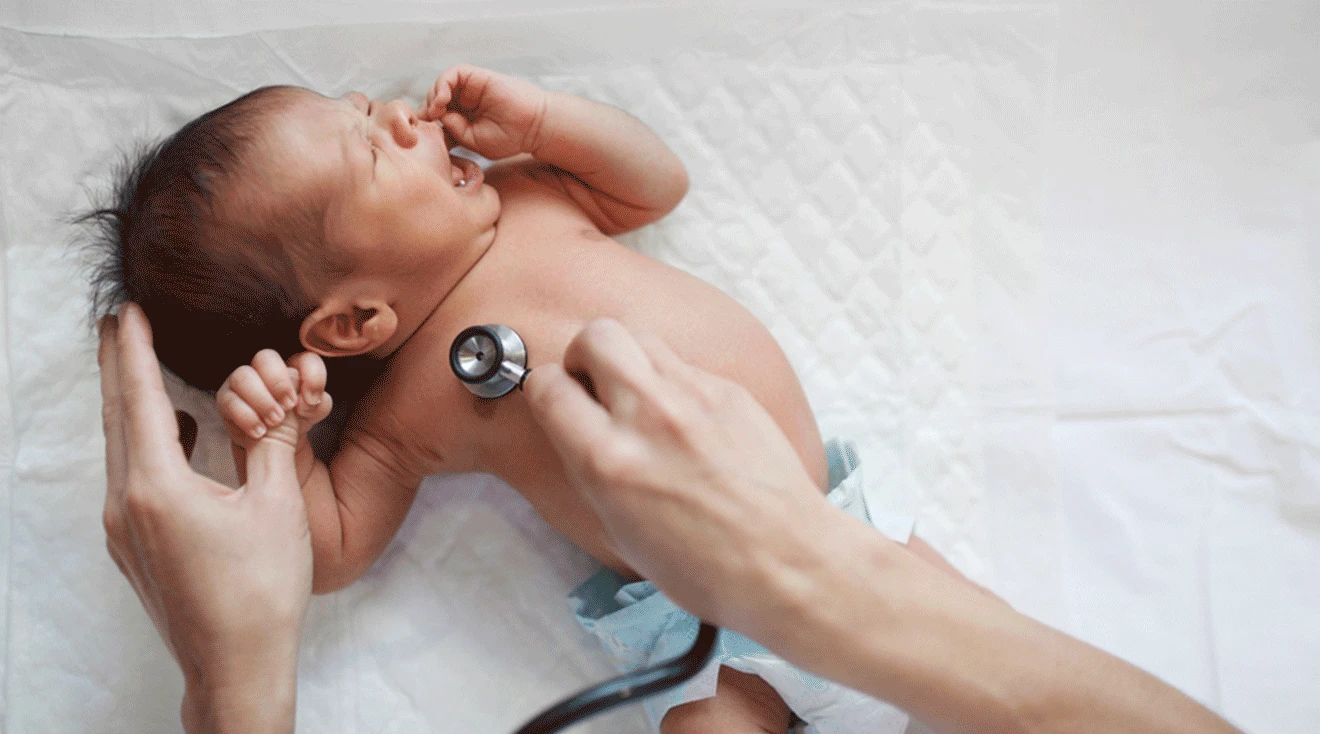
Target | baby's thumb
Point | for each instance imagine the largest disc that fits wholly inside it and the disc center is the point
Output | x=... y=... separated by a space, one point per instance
x=270 y=462
x=458 y=127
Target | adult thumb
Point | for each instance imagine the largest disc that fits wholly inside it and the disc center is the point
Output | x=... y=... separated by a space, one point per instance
x=270 y=463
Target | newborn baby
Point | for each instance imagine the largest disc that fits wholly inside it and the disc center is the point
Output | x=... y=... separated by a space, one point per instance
x=315 y=227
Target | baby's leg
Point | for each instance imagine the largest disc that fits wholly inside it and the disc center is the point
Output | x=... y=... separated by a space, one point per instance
x=743 y=704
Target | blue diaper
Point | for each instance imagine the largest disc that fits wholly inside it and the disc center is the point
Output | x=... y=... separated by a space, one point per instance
x=639 y=626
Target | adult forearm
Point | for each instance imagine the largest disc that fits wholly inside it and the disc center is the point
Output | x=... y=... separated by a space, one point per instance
x=865 y=612
x=611 y=151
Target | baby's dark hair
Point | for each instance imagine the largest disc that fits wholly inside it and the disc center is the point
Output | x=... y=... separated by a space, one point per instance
x=217 y=286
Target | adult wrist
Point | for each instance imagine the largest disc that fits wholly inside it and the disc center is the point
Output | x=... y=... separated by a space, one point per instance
x=254 y=692
x=862 y=610
x=829 y=581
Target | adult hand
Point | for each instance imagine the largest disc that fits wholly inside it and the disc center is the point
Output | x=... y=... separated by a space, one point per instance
x=704 y=495
x=700 y=490
x=224 y=574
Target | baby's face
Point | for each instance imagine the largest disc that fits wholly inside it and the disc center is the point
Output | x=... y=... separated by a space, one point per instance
x=397 y=203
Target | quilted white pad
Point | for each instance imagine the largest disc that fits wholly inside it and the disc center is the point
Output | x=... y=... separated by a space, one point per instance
x=868 y=179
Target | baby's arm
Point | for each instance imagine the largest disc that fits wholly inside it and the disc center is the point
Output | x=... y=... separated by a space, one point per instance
x=355 y=505
x=619 y=171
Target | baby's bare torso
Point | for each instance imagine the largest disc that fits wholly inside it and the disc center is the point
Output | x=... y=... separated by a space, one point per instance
x=548 y=273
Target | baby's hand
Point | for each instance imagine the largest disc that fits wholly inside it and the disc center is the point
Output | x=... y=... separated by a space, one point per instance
x=487 y=112
x=256 y=398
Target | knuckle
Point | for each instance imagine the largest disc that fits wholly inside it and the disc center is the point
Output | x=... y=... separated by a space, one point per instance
x=138 y=503
x=676 y=413
x=228 y=403
x=244 y=376
x=600 y=327
x=113 y=523
x=266 y=356
x=612 y=459
x=251 y=386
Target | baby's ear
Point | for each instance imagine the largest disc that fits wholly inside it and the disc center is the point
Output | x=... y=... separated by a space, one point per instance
x=348 y=329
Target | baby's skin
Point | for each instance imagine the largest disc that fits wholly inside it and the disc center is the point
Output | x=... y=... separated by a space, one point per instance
x=434 y=246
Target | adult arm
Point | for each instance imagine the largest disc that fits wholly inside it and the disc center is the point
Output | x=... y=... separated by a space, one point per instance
x=703 y=494
x=224 y=574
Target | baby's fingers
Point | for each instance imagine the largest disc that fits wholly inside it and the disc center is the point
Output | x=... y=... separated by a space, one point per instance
x=458 y=128
x=249 y=387
x=437 y=100
x=311 y=376
x=310 y=369
x=240 y=419
x=270 y=366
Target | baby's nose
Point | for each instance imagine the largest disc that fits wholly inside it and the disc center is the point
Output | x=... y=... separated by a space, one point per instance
x=403 y=110
x=403 y=122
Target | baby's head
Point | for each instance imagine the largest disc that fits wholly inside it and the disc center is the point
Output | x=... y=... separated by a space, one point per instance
x=291 y=221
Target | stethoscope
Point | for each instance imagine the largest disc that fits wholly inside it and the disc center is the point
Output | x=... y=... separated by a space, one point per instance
x=491 y=361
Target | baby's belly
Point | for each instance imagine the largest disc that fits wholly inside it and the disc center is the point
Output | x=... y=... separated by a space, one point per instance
x=552 y=293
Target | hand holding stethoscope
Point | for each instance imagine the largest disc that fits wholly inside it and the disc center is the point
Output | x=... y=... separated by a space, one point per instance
x=491 y=360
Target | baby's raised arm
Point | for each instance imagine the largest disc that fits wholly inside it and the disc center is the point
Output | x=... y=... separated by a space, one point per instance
x=355 y=505
x=619 y=171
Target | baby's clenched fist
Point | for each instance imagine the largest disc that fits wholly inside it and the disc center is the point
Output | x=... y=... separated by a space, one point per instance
x=257 y=397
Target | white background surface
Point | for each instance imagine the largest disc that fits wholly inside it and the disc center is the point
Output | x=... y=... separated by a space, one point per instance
x=1092 y=336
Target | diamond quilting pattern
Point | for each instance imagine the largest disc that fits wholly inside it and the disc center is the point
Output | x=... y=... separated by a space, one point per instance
x=842 y=202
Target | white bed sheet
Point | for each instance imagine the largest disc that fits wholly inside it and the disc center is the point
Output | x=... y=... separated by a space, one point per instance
x=1183 y=240
x=1098 y=394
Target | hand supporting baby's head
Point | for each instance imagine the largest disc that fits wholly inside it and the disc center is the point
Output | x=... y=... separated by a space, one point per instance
x=290 y=221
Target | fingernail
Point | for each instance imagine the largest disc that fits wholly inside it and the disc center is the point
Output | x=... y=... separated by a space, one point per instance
x=275 y=416
x=290 y=402
x=311 y=400
x=258 y=432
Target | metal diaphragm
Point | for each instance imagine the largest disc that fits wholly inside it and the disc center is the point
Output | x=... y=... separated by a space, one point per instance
x=491 y=360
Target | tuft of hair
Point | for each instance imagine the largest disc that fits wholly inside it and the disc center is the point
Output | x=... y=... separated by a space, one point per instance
x=216 y=287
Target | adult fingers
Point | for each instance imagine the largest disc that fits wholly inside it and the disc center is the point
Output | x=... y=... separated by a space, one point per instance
x=615 y=363
x=663 y=359
x=711 y=390
x=270 y=463
x=574 y=422
x=151 y=435
x=117 y=539
x=112 y=408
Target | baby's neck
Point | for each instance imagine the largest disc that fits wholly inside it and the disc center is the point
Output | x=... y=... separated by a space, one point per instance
x=427 y=321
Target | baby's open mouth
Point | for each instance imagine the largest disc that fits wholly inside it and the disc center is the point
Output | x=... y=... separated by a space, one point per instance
x=466 y=173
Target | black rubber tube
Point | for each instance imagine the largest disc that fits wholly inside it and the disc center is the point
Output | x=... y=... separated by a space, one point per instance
x=629 y=688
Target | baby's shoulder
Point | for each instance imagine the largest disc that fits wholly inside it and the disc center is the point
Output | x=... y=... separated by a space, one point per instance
x=413 y=413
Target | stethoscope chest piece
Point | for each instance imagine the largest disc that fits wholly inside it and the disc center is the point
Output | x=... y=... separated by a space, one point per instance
x=491 y=360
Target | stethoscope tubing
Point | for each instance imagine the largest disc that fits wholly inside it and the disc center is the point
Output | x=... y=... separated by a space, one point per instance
x=631 y=687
